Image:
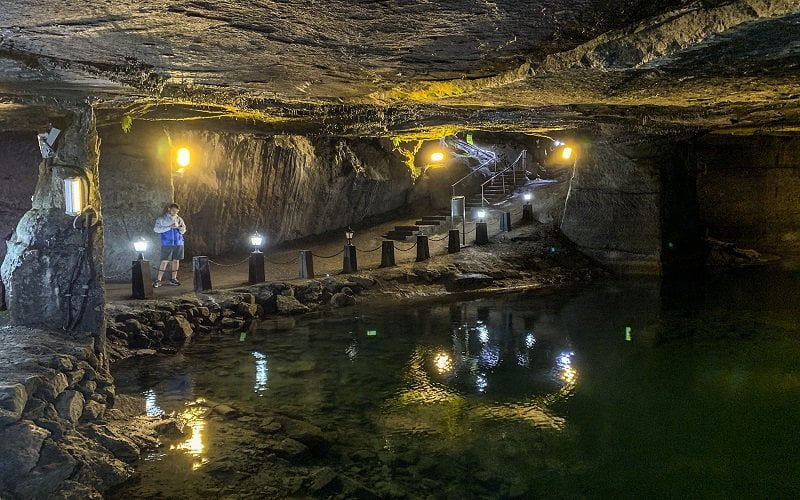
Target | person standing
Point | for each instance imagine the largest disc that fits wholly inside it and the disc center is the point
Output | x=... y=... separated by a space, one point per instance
x=172 y=228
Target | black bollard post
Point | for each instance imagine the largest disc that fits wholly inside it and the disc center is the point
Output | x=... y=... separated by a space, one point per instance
x=505 y=221
x=527 y=213
x=387 y=253
x=423 y=252
x=255 y=272
x=202 y=273
x=140 y=286
x=481 y=233
x=453 y=243
x=350 y=260
x=306 y=264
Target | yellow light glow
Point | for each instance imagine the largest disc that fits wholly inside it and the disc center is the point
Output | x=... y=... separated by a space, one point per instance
x=183 y=158
x=569 y=375
x=437 y=156
x=194 y=446
x=567 y=153
x=443 y=362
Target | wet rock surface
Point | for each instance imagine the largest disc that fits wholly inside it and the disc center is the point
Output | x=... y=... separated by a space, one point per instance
x=60 y=433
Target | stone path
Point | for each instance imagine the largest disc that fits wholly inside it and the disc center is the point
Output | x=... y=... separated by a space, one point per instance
x=231 y=271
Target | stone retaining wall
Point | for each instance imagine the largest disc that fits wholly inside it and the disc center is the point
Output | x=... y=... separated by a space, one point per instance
x=59 y=435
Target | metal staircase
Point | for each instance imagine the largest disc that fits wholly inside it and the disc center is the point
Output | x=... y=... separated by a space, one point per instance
x=503 y=179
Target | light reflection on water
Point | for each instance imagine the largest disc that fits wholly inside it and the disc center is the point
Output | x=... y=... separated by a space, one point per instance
x=538 y=392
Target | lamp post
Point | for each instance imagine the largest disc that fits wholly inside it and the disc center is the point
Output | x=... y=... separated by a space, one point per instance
x=481 y=229
x=139 y=269
x=527 y=208
x=350 y=261
x=256 y=261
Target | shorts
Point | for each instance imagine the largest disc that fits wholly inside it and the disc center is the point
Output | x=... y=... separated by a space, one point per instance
x=172 y=252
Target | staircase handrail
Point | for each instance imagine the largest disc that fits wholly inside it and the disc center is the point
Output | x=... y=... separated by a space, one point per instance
x=476 y=169
x=490 y=179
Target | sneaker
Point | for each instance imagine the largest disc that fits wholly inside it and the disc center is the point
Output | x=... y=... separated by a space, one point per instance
x=156 y=283
x=174 y=282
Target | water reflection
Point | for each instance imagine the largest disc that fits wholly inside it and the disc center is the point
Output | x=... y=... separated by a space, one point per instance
x=151 y=407
x=261 y=373
x=194 y=446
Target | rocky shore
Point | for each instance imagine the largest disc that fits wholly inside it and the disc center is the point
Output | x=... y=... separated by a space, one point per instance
x=65 y=434
x=527 y=257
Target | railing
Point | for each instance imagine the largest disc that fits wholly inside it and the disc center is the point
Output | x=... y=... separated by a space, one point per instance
x=512 y=167
x=477 y=169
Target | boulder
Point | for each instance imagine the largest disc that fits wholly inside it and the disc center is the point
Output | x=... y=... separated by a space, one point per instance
x=179 y=329
x=12 y=401
x=289 y=305
x=305 y=432
x=342 y=300
x=92 y=410
x=54 y=466
x=365 y=282
x=69 y=405
x=20 y=444
x=119 y=445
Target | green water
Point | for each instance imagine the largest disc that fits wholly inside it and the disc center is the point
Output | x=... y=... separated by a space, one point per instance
x=625 y=389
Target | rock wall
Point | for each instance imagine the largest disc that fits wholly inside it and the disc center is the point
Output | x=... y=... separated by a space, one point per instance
x=19 y=169
x=287 y=187
x=613 y=209
x=54 y=266
x=53 y=390
x=749 y=190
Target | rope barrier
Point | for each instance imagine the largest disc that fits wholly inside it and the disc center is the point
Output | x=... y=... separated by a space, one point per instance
x=340 y=252
x=405 y=249
x=229 y=265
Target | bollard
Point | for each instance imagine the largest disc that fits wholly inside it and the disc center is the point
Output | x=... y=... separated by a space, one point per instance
x=481 y=233
x=387 y=253
x=453 y=244
x=423 y=252
x=255 y=272
x=140 y=287
x=527 y=213
x=202 y=273
x=505 y=221
x=350 y=260
x=306 y=264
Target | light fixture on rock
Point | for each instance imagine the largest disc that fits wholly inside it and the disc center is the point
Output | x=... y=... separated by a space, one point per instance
x=76 y=196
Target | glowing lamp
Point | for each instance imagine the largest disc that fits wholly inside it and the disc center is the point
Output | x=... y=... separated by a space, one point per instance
x=567 y=153
x=256 y=240
x=140 y=246
x=527 y=196
x=183 y=158
x=75 y=196
x=437 y=156
x=481 y=214
x=348 y=234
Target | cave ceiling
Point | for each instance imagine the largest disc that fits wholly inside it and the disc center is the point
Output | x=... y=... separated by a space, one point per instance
x=383 y=67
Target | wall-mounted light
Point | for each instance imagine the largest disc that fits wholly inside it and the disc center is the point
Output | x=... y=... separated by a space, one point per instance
x=140 y=246
x=566 y=153
x=76 y=196
x=256 y=240
x=183 y=157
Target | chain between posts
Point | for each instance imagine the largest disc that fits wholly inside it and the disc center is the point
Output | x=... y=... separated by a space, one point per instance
x=373 y=250
x=328 y=256
x=229 y=265
x=405 y=249
x=439 y=239
x=278 y=263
